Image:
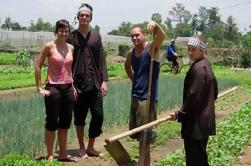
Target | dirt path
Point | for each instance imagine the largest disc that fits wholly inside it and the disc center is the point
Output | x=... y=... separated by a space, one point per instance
x=245 y=158
x=9 y=93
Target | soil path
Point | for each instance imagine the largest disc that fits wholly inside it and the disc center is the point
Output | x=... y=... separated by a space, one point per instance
x=245 y=158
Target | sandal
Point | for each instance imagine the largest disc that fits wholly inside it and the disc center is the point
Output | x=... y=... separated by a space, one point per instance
x=83 y=155
x=68 y=159
x=98 y=154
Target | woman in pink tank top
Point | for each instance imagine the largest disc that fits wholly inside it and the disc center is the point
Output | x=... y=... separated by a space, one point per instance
x=59 y=93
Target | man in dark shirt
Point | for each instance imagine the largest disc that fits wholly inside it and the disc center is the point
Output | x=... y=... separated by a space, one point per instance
x=90 y=78
x=197 y=114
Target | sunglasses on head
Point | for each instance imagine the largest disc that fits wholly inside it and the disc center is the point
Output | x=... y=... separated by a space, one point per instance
x=85 y=5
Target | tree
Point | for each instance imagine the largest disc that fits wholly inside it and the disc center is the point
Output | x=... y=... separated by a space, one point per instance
x=231 y=30
x=246 y=40
x=180 y=14
x=41 y=26
x=213 y=17
x=183 y=29
x=168 y=23
x=123 y=30
x=7 y=23
x=96 y=28
x=157 y=18
x=10 y=24
x=194 y=23
x=203 y=18
x=16 y=26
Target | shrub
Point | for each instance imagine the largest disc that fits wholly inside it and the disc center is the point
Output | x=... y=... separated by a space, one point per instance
x=245 y=59
x=24 y=58
x=123 y=49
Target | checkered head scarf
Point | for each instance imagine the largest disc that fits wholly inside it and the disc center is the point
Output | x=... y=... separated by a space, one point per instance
x=197 y=43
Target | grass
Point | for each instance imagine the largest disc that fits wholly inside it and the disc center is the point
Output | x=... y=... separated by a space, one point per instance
x=12 y=78
x=241 y=76
x=7 y=58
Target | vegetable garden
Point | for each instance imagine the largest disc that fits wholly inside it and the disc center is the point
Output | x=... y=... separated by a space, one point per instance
x=22 y=117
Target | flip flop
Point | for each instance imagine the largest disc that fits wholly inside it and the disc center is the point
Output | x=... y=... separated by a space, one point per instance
x=68 y=159
x=83 y=155
x=99 y=154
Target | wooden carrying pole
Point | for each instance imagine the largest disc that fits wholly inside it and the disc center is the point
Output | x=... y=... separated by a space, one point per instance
x=136 y=130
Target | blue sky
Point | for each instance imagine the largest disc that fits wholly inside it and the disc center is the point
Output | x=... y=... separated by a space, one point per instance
x=108 y=14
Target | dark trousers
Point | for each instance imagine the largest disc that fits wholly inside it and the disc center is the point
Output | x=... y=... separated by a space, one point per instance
x=93 y=101
x=173 y=59
x=58 y=106
x=196 y=154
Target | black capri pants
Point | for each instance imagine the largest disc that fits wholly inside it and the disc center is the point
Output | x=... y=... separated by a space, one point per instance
x=58 y=106
x=91 y=100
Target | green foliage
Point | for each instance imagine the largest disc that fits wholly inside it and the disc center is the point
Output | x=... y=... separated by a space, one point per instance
x=123 y=50
x=23 y=58
x=241 y=77
x=232 y=136
x=180 y=14
x=18 y=77
x=23 y=160
x=116 y=70
x=183 y=30
x=245 y=59
x=11 y=24
x=248 y=38
x=41 y=25
x=231 y=31
x=166 y=131
x=123 y=30
x=228 y=44
x=7 y=59
x=157 y=18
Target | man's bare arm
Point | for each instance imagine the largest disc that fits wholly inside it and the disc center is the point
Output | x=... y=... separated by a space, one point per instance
x=128 y=66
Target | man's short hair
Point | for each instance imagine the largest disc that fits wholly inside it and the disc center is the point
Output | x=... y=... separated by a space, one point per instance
x=142 y=29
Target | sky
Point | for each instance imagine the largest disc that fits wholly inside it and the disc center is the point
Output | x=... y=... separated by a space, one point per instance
x=109 y=14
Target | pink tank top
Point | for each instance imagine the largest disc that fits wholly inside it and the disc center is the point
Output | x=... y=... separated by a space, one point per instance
x=59 y=68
